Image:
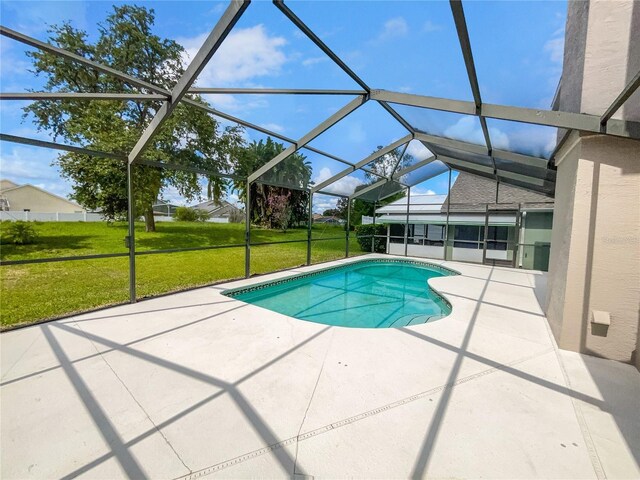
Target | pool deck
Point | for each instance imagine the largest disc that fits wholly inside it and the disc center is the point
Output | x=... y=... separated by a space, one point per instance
x=196 y=384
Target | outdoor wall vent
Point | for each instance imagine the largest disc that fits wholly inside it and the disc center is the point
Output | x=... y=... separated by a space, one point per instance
x=601 y=318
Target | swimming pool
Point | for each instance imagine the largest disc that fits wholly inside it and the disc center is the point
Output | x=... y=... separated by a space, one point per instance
x=380 y=293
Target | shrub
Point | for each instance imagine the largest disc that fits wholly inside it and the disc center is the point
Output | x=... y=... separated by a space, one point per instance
x=202 y=215
x=363 y=234
x=19 y=233
x=185 y=214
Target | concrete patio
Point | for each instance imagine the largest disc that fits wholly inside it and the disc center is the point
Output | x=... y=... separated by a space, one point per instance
x=196 y=384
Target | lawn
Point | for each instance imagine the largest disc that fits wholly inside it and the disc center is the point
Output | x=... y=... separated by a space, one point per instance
x=35 y=292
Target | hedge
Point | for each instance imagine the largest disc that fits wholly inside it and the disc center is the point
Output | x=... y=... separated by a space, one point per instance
x=363 y=234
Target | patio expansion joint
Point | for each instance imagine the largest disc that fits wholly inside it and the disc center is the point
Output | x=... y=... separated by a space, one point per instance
x=313 y=392
x=356 y=418
x=146 y=414
x=582 y=423
x=6 y=374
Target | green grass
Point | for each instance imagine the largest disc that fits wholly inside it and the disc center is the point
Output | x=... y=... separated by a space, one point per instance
x=47 y=290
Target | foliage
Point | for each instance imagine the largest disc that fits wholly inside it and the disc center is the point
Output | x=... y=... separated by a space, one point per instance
x=363 y=234
x=387 y=164
x=279 y=210
x=294 y=171
x=186 y=214
x=19 y=233
x=189 y=137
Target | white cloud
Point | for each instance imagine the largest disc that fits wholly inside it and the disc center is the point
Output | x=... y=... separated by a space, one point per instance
x=555 y=48
x=314 y=61
x=418 y=151
x=429 y=27
x=344 y=186
x=247 y=53
x=393 y=28
x=324 y=202
x=273 y=127
x=420 y=191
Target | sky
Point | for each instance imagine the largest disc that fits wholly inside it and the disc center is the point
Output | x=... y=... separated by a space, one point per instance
x=403 y=46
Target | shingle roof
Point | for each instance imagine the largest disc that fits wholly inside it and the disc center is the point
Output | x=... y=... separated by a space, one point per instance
x=472 y=192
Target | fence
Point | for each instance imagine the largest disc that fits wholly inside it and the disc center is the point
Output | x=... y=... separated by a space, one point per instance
x=15 y=215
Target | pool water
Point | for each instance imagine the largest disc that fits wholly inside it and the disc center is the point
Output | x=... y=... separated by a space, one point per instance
x=365 y=294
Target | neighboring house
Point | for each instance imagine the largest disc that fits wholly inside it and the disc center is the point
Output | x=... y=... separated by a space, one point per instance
x=328 y=220
x=221 y=209
x=29 y=198
x=518 y=227
x=164 y=209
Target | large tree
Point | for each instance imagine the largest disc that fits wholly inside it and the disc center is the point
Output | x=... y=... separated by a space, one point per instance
x=389 y=163
x=190 y=137
x=290 y=178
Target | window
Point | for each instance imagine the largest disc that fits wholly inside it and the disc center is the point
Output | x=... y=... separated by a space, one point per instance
x=467 y=236
x=497 y=237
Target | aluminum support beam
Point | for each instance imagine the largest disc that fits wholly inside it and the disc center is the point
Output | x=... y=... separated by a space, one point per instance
x=362 y=163
x=560 y=144
x=395 y=169
x=47 y=47
x=82 y=96
x=315 y=132
x=465 y=45
x=319 y=43
x=423 y=101
x=451 y=143
x=131 y=234
x=232 y=14
x=272 y=91
x=413 y=167
x=576 y=121
x=57 y=146
x=186 y=168
x=619 y=101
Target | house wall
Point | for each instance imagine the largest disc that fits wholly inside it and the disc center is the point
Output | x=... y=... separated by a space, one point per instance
x=595 y=248
x=28 y=197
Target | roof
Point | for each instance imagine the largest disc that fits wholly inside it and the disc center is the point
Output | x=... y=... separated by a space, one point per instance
x=417 y=204
x=472 y=192
x=42 y=190
x=212 y=206
x=7 y=184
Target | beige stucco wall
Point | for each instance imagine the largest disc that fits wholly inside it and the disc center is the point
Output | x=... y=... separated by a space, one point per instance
x=595 y=252
x=28 y=197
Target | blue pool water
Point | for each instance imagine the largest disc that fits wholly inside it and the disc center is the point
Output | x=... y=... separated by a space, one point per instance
x=365 y=294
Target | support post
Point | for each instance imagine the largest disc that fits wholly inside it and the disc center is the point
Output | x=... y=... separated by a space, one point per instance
x=247 y=233
x=373 y=237
x=446 y=232
x=406 y=225
x=486 y=232
x=309 y=226
x=348 y=226
x=130 y=239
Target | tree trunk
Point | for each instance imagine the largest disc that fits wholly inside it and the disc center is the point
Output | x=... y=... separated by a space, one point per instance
x=149 y=221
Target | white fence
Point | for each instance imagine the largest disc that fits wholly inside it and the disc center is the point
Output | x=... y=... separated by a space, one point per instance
x=50 y=217
x=209 y=220
x=13 y=215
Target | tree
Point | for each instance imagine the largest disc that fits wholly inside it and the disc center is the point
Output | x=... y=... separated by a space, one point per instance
x=387 y=164
x=280 y=209
x=189 y=137
x=294 y=172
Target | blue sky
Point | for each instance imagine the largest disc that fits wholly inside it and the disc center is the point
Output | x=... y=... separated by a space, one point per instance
x=403 y=46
